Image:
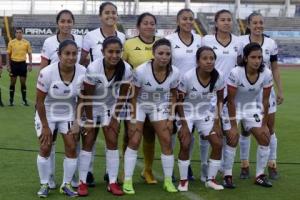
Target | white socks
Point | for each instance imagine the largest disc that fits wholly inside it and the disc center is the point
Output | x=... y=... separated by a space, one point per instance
x=91 y=165
x=44 y=169
x=229 y=154
x=70 y=165
x=244 y=147
x=168 y=165
x=262 y=156
x=183 y=166
x=213 y=168
x=112 y=164
x=130 y=158
x=273 y=147
x=84 y=162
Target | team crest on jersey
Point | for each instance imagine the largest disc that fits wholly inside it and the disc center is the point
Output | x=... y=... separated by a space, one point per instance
x=148 y=84
x=198 y=46
x=137 y=48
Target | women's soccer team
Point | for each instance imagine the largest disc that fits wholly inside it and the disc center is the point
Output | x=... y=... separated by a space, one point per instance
x=160 y=88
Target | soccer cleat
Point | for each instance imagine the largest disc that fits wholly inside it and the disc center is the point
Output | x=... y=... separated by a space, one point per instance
x=262 y=180
x=67 y=189
x=213 y=184
x=115 y=189
x=128 y=187
x=149 y=177
x=183 y=186
x=44 y=191
x=90 y=180
x=82 y=189
x=106 y=178
x=245 y=173
x=169 y=186
x=52 y=184
x=228 y=183
x=190 y=174
x=273 y=173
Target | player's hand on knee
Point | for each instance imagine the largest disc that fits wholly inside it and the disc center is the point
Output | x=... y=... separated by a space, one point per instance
x=232 y=136
x=46 y=136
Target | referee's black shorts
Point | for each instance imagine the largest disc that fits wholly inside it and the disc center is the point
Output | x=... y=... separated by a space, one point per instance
x=18 y=68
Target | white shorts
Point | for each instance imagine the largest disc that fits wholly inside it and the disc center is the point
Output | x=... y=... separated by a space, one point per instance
x=61 y=126
x=103 y=118
x=161 y=113
x=249 y=120
x=203 y=126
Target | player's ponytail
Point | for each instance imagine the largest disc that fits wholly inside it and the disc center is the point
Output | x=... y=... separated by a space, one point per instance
x=120 y=67
x=214 y=74
x=179 y=14
x=252 y=46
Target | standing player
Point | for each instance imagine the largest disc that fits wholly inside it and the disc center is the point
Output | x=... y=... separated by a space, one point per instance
x=184 y=46
x=270 y=51
x=92 y=45
x=138 y=50
x=154 y=96
x=196 y=90
x=58 y=88
x=106 y=86
x=227 y=48
x=65 y=21
x=1 y=103
x=17 y=66
x=244 y=87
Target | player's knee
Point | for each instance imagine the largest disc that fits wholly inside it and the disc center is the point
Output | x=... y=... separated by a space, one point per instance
x=134 y=142
x=217 y=144
x=45 y=150
x=264 y=139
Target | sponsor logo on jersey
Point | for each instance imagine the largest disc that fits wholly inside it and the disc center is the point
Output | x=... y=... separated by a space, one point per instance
x=137 y=48
x=176 y=47
x=67 y=91
x=148 y=84
x=159 y=89
x=189 y=51
x=251 y=89
x=267 y=51
x=225 y=52
x=235 y=49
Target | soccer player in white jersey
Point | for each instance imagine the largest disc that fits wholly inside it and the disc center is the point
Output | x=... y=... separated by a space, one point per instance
x=65 y=21
x=184 y=46
x=227 y=48
x=197 y=88
x=244 y=86
x=58 y=88
x=106 y=86
x=255 y=30
x=92 y=45
x=93 y=40
x=154 y=95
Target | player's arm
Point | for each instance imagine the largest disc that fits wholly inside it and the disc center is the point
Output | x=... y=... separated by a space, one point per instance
x=8 y=56
x=184 y=132
x=29 y=52
x=265 y=102
x=46 y=135
x=277 y=80
x=83 y=58
x=124 y=89
x=44 y=62
x=219 y=106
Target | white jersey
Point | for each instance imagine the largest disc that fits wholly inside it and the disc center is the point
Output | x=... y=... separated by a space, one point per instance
x=269 y=47
x=60 y=102
x=226 y=55
x=93 y=40
x=154 y=94
x=50 y=48
x=106 y=91
x=247 y=92
x=184 y=56
x=198 y=96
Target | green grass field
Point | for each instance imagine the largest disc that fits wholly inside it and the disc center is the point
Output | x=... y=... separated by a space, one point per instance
x=18 y=151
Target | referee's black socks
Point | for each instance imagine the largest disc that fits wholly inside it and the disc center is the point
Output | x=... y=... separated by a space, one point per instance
x=23 y=91
x=11 y=94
